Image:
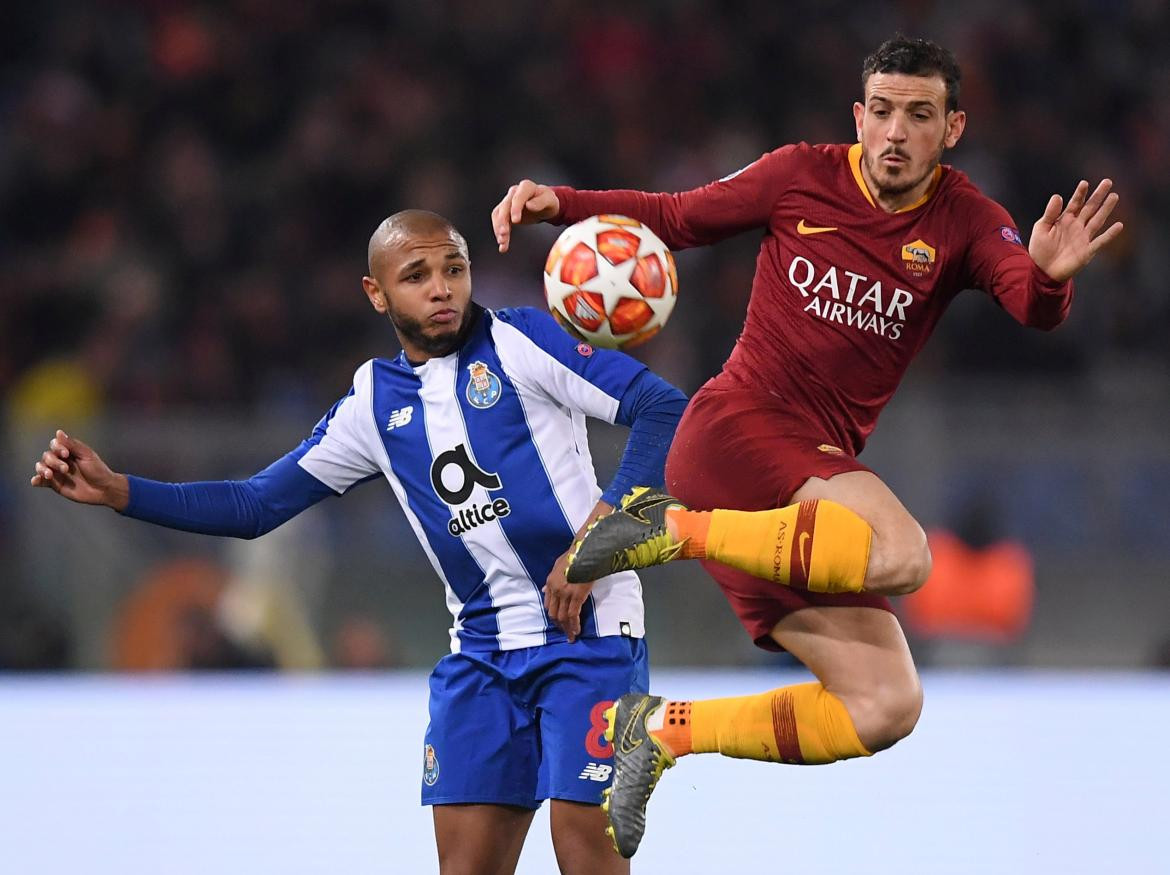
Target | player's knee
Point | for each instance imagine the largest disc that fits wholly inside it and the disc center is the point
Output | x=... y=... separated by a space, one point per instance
x=901 y=712
x=457 y=862
x=917 y=567
x=901 y=562
x=889 y=714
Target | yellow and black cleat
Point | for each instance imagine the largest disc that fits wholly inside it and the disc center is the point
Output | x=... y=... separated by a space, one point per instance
x=633 y=536
x=639 y=760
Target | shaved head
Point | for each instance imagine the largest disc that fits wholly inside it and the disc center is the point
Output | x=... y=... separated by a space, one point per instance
x=420 y=277
x=396 y=229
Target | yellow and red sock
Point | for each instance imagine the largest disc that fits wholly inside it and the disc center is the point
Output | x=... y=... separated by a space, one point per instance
x=818 y=545
x=803 y=724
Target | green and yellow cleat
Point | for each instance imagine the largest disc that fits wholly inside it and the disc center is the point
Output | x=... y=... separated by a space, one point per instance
x=633 y=536
x=639 y=760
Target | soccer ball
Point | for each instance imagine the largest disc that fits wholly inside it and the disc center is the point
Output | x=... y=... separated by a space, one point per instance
x=610 y=281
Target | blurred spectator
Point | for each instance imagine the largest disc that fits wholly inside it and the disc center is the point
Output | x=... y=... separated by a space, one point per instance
x=182 y=185
x=170 y=622
x=978 y=600
x=275 y=585
x=1161 y=656
x=982 y=594
x=361 y=644
x=30 y=639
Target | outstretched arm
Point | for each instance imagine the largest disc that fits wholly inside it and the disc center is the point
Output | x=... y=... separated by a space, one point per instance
x=234 y=508
x=728 y=206
x=1064 y=241
x=1035 y=284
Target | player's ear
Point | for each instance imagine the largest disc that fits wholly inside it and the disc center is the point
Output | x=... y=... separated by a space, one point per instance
x=956 y=123
x=374 y=293
x=858 y=117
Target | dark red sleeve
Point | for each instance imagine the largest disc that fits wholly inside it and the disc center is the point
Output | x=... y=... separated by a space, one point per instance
x=704 y=215
x=999 y=263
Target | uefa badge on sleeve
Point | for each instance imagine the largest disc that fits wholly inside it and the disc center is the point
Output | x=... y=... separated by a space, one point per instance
x=430 y=766
x=1011 y=235
x=483 y=389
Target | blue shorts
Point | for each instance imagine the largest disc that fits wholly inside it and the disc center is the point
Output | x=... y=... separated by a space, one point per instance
x=516 y=727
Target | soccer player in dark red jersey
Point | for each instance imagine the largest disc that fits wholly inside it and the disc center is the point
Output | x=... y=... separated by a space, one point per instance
x=864 y=247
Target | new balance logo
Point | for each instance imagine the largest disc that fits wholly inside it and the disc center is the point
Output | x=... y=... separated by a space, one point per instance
x=400 y=417
x=595 y=772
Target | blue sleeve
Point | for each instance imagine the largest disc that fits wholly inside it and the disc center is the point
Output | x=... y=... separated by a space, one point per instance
x=609 y=370
x=236 y=508
x=651 y=407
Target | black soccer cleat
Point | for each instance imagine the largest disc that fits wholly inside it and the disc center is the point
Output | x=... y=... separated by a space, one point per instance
x=639 y=760
x=634 y=536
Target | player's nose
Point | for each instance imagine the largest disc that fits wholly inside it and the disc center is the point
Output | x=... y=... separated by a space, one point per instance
x=440 y=290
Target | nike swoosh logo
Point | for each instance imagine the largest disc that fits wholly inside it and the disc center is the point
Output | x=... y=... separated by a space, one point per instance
x=804 y=539
x=802 y=228
x=628 y=743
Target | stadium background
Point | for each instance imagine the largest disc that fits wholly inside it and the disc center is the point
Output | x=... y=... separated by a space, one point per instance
x=186 y=191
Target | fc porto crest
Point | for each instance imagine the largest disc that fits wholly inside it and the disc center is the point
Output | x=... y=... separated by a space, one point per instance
x=918 y=257
x=430 y=766
x=484 y=388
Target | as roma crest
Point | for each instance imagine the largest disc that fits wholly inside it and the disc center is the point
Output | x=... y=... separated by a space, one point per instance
x=918 y=256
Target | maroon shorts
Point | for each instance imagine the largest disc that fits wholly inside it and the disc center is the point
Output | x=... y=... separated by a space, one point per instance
x=744 y=450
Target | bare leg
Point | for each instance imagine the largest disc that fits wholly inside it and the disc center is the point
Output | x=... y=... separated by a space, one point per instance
x=580 y=842
x=860 y=655
x=899 y=560
x=480 y=839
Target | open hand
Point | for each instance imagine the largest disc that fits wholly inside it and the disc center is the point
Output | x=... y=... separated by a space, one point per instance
x=1065 y=241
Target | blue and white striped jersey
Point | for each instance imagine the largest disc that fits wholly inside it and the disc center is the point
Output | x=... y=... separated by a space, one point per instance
x=486 y=450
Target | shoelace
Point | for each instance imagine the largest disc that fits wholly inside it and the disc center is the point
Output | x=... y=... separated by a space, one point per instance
x=648 y=552
x=658 y=767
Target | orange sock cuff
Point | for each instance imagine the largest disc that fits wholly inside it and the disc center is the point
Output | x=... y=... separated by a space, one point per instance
x=692 y=525
x=675 y=731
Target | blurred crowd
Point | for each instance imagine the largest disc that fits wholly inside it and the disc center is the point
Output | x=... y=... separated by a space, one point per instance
x=186 y=189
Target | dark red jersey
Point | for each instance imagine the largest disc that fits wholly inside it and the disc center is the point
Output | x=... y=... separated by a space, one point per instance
x=844 y=293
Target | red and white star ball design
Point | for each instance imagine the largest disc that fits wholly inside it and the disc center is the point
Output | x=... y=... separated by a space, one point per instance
x=610 y=281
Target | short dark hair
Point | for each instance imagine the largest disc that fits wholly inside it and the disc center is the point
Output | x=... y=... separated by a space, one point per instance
x=915 y=57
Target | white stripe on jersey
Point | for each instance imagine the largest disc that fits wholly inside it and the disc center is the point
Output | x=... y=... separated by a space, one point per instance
x=517 y=599
x=339 y=461
x=347 y=453
x=563 y=445
x=361 y=439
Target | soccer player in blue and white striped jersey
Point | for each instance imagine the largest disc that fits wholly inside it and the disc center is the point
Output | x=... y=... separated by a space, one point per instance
x=479 y=427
